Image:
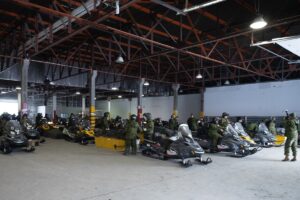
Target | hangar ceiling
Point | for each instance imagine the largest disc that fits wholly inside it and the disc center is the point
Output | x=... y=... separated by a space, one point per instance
x=68 y=38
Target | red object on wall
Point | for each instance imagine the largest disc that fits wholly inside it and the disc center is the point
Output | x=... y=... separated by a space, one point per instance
x=140 y=115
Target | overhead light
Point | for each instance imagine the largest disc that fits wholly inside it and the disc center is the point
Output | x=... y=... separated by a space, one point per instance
x=120 y=59
x=3 y=92
x=120 y=96
x=77 y=93
x=146 y=83
x=52 y=83
x=199 y=76
x=95 y=98
x=143 y=95
x=258 y=23
x=227 y=82
x=114 y=88
x=18 y=88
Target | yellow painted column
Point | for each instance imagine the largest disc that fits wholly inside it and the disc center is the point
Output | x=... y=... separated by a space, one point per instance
x=92 y=99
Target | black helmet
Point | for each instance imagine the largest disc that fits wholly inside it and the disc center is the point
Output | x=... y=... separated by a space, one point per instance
x=118 y=118
x=148 y=116
x=133 y=117
x=106 y=114
x=293 y=115
x=6 y=116
x=225 y=114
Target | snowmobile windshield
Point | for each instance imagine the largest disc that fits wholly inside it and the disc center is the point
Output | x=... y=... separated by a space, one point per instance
x=184 y=131
x=240 y=129
x=13 y=127
x=231 y=131
x=262 y=127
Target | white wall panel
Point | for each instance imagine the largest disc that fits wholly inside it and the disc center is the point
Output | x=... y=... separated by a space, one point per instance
x=264 y=99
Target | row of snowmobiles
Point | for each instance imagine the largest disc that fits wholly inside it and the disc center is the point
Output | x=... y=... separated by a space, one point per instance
x=185 y=145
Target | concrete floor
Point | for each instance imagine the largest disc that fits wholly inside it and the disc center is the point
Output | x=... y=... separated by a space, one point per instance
x=60 y=170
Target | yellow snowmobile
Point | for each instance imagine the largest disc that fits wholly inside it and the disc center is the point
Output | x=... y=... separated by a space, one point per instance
x=242 y=133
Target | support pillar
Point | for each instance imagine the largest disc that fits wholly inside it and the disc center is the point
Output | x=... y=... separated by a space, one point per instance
x=92 y=99
x=19 y=101
x=83 y=98
x=139 y=101
x=175 y=88
x=54 y=107
x=24 y=86
x=108 y=104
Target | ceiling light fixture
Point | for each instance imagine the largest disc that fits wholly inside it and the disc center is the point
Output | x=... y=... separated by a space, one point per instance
x=120 y=59
x=120 y=96
x=77 y=93
x=199 y=76
x=146 y=83
x=258 y=23
x=3 y=92
x=227 y=82
x=114 y=88
x=52 y=83
x=18 y=88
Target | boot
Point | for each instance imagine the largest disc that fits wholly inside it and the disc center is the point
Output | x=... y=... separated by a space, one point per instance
x=286 y=158
x=294 y=159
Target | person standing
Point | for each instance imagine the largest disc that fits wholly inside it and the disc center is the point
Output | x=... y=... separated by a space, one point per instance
x=213 y=133
x=224 y=120
x=291 y=133
x=272 y=125
x=149 y=126
x=105 y=125
x=132 y=128
x=173 y=123
x=192 y=122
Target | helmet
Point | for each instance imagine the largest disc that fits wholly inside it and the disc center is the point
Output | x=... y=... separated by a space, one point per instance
x=133 y=117
x=6 y=116
x=106 y=114
x=225 y=114
x=118 y=118
x=148 y=116
x=293 y=115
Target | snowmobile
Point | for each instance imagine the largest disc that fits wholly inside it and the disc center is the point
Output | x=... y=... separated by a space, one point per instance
x=242 y=133
x=49 y=129
x=266 y=138
x=230 y=143
x=32 y=134
x=263 y=136
x=181 y=146
x=79 y=133
x=12 y=137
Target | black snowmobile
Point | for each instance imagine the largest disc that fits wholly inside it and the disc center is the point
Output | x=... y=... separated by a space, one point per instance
x=178 y=145
x=230 y=143
x=263 y=136
x=32 y=134
x=12 y=137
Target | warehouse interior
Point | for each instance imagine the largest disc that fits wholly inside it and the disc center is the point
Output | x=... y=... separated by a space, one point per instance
x=212 y=81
